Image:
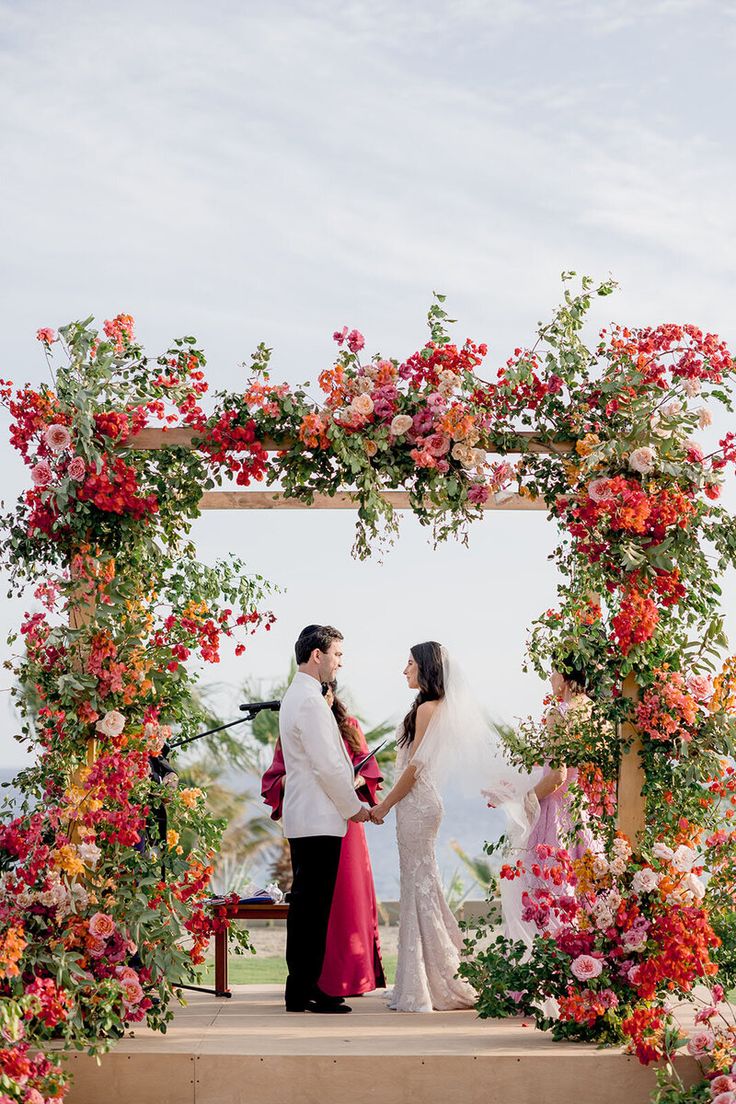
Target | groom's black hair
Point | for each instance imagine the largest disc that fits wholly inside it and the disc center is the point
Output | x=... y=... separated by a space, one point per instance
x=315 y=636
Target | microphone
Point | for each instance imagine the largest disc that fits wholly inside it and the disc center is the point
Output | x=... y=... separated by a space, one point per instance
x=259 y=707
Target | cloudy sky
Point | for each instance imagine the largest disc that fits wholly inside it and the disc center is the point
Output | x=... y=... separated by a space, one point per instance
x=268 y=172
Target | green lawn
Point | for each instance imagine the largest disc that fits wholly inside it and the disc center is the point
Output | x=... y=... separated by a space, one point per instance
x=255 y=970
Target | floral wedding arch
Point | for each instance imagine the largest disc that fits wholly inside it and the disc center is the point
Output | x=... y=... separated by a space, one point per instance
x=122 y=458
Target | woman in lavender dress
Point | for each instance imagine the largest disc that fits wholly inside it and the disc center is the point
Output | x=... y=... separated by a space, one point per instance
x=548 y=816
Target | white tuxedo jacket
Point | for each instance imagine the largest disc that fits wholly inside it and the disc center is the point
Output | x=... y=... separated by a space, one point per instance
x=319 y=794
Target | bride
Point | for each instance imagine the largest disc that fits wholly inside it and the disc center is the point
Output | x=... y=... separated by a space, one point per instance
x=431 y=745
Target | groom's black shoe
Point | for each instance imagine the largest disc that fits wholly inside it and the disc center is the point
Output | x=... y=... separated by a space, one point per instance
x=327 y=1008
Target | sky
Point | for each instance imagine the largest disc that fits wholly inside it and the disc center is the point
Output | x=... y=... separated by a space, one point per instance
x=270 y=172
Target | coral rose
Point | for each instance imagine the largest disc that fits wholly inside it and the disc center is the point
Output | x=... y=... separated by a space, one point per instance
x=438 y=444
x=132 y=991
x=76 y=468
x=599 y=490
x=46 y=335
x=57 y=437
x=101 y=926
x=701 y=687
x=41 y=474
x=701 y=1043
x=585 y=967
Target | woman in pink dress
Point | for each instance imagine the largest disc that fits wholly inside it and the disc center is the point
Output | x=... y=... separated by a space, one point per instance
x=352 y=963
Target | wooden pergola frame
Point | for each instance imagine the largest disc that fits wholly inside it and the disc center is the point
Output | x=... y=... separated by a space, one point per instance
x=631 y=816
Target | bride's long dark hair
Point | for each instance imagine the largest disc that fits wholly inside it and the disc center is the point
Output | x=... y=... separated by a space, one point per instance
x=428 y=658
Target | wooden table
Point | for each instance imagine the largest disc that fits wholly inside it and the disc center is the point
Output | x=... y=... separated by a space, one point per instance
x=239 y=912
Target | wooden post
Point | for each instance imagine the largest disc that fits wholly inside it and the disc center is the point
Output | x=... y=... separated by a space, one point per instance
x=631 y=802
x=81 y=613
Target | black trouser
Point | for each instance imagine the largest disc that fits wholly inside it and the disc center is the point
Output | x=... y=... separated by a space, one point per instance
x=314 y=863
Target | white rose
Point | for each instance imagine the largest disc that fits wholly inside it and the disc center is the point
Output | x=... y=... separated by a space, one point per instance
x=622 y=848
x=695 y=886
x=617 y=867
x=705 y=417
x=658 y=427
x=642 y=460
x=89 y=853
x=672 y=408
x=662 y=852
x=683 y=858
x=691 y=387
x=112 y=724
x=645 y=880
x=600 y=866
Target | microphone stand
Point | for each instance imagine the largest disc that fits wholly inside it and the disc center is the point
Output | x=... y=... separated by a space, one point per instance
x=251 y=710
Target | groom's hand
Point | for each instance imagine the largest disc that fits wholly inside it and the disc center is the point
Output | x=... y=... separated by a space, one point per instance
x=360 y=816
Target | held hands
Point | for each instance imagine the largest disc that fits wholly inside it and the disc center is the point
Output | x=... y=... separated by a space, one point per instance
x=378 y=814
x=361 y=816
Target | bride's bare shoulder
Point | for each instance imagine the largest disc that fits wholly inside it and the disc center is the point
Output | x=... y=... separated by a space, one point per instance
x=426 y=709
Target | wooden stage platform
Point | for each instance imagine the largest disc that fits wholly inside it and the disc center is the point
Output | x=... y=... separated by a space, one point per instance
x=247 y=1050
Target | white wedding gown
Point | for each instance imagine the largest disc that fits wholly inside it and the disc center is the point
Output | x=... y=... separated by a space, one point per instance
x=429 y=937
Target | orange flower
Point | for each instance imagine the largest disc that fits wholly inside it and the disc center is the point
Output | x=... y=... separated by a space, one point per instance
x=12 y=945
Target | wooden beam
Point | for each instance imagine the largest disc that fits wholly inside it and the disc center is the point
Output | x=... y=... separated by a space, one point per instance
x=631 y=818
x=343 y=500
x=181 y=437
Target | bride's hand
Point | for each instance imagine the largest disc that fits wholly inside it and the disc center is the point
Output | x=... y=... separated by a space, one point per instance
x=378 y=814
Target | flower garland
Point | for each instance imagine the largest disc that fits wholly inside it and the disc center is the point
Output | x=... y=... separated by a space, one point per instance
x=605 y=436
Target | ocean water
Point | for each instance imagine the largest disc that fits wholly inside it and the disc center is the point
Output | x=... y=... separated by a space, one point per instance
x=469 y=823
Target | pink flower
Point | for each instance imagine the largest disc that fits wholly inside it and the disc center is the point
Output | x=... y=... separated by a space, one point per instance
x=356 y=341
x=724 y=1098
x=599 y=490
x=33 y=1096
x=701 y=1043
x=701 y=687
x=585 y=967
x=132 y=991
x=41 y=474
x=97 y=948
x=101 y=926
x=705 y=418
x=479 y=494
x=57 y=437
x=46 y=335
x=694 y=452
x=76 y=468
x=438 y=444
x=340 y=335
x=722 y=1084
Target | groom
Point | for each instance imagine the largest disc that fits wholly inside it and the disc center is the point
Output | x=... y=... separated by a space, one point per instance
x=319 y=799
